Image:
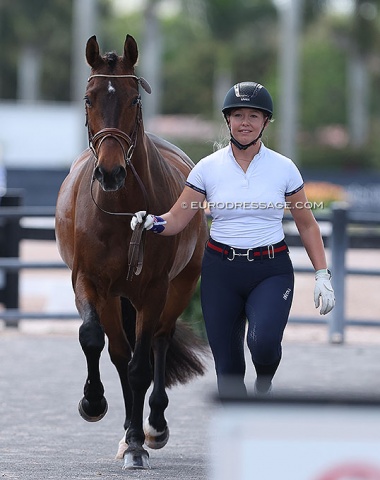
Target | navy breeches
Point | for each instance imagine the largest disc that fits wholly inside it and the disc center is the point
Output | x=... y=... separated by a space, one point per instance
x=236 y=293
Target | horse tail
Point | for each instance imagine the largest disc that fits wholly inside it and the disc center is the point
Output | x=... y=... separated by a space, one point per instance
x=185 y=356
x=186 y=353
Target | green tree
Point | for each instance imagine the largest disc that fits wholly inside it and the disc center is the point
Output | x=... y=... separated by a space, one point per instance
x=323 y=78
x=232 y=25
x=45 y=27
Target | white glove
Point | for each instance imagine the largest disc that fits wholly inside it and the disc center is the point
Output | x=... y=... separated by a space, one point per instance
x=138 y=218
x=156 y=224
x=324 y=291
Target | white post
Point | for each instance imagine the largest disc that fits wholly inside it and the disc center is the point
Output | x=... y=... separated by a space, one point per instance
x=290 y=13
x=29 y=72
x=84 y=26
x=358 y=95
x=150 y=60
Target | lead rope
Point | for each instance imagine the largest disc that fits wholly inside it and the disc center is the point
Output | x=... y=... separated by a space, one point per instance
x=136 y=251
x=137 y=243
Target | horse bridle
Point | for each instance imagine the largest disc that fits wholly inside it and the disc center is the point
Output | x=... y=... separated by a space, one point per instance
x=95 y=141
x=136 y=246
x=116 y=133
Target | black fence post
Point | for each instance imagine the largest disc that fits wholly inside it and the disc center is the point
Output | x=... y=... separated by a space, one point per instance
x=338 y=246
x=10 y=247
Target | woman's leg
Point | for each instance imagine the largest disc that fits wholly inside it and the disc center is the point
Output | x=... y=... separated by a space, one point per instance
x=223 y=312
x=267 y=309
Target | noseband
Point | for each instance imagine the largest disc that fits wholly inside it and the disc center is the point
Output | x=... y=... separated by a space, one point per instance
x=95 y=141
x=136 y=246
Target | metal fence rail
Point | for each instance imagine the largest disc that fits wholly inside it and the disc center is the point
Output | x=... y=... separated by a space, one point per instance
x=341 y=220
x=12 y=231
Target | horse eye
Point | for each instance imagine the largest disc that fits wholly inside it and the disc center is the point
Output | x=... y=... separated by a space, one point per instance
x=87 y=101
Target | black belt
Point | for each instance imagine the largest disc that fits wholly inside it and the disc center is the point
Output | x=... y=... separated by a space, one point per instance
x=231 y=253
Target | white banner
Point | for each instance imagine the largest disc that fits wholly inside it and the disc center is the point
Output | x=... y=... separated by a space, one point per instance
x=279 y=441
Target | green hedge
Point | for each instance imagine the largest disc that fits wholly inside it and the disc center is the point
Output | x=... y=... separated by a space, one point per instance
x=193 y=314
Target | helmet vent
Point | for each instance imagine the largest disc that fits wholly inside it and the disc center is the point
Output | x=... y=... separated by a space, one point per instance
x=247 y=90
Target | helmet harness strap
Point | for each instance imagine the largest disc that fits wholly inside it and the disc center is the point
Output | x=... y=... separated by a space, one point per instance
x=239 y=145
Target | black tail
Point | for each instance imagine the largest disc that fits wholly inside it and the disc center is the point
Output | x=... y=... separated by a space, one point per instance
x=185 y=357
x=186 y=352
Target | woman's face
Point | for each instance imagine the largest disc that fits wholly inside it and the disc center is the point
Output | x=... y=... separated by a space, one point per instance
x=246 y=124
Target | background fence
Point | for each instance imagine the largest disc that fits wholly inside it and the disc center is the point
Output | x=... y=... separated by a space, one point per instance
x=342 y=229
x=347 y=229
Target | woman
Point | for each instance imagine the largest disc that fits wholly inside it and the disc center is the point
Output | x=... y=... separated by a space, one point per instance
x=247 y=275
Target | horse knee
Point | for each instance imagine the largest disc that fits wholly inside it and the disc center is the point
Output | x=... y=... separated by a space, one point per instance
x=140 y=377
x=91 y=336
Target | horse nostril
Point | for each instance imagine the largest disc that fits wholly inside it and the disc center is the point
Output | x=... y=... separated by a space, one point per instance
x=99 y=174
x=120 y=173
x=110 y=180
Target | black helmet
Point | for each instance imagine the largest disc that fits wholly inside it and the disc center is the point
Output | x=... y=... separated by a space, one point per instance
x=250 y=95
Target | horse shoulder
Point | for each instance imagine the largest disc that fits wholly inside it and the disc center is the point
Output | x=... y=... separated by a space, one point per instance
x=81 y=160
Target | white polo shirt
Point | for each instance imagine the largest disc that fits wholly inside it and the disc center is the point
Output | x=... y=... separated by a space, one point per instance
x=247 y=208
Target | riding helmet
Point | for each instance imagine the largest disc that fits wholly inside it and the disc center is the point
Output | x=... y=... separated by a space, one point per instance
x=250 y=95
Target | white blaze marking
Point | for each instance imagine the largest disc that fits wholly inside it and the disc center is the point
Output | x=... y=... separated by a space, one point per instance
x=111 y=89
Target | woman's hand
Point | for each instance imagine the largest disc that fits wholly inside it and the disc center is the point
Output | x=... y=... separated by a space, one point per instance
x=151 y=222
x=323 y=291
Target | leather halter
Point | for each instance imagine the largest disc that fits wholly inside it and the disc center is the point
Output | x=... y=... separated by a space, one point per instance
x=136 y=246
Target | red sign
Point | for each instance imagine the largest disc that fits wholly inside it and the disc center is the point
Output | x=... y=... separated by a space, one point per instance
x=352 y=472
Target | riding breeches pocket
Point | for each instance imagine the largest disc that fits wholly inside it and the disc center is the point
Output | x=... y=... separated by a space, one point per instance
x=210 y=259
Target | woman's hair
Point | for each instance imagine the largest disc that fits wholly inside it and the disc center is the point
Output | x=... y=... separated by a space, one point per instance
x=223 y=138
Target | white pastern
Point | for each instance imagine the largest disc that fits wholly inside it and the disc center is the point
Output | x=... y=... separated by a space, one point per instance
x=122 y=448
x=150 y=431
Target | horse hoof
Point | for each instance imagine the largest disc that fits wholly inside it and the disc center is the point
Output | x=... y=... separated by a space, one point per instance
x=94 y=411
x=134 y=460
x=153 y=438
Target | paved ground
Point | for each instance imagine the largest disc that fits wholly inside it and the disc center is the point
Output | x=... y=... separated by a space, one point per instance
x=42 y=370
x=43 y=437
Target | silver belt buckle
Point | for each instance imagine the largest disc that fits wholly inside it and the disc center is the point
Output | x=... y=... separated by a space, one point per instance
x=270 y=251
x=234 y=254
x=250 y=259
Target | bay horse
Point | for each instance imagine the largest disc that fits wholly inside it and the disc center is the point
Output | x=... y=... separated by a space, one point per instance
x=124 y=170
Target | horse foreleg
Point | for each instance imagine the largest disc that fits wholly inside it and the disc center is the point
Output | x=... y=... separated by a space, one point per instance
x=119 y=324
x=155 y=426
x=93 y=405
x=140 y=377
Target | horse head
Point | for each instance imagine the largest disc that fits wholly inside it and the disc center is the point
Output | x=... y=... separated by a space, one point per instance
x=113 y=111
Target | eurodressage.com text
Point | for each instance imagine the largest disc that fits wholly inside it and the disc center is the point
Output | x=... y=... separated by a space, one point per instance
x=254 y=205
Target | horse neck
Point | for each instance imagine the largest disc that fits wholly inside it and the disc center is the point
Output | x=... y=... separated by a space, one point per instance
x=147 y=161
x=153 y=171
x=139 y=182
x=140 y=160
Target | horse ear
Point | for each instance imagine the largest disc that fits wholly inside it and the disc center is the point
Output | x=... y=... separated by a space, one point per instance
x=130 y=51
x=92 y=51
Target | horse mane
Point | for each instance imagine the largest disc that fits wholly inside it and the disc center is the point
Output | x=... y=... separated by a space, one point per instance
x=111 y=58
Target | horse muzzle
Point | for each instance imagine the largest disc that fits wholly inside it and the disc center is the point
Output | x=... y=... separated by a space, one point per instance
x=110 y=181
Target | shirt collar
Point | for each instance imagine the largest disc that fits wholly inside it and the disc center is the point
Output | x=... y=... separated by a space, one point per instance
x=258 y=155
